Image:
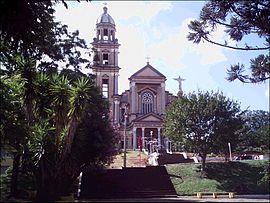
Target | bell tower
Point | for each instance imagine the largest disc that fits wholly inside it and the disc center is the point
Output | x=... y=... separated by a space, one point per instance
x=105 y=62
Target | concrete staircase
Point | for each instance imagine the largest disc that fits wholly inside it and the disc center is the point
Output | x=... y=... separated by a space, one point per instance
x=136 y=182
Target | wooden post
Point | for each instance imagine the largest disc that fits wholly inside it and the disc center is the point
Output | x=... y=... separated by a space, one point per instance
x=231 y=195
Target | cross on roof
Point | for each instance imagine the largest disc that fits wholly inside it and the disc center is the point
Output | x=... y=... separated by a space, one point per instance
x=147 y=59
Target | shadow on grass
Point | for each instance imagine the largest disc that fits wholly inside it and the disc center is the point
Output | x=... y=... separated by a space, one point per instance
x=239 y=177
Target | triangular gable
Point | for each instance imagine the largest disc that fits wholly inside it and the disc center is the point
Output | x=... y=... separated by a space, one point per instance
x=151 y=117
x=148 y=70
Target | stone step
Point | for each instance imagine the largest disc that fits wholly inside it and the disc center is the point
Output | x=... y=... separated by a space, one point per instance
x=134 y=194
x=128 y=182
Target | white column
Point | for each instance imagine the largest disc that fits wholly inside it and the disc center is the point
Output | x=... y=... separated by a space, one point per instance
x=134 y=138
x=113 y=36
x=116 y=111
x=116 y=83
x=101 y=32
x=143 y=141
x=116 y=57
x=111 y=85
x=155 y=103
x=140 y=104
x=98 y=79
x=133 y=97
x=159 y=138
x=162 y=98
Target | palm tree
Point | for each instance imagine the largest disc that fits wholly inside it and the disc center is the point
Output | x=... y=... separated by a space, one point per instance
x=54 y=108
x=43 y=98
x=80 y=97
x=60 y=93
x=67 y=107
x=27 y=70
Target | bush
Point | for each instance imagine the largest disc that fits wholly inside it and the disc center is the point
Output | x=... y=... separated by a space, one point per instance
x=5 y=184
x=265 y=180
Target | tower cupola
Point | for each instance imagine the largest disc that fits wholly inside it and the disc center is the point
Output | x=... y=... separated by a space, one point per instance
x=105 y=27
x=105 y=17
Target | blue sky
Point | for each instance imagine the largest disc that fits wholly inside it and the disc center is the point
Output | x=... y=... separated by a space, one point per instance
x=158 y=29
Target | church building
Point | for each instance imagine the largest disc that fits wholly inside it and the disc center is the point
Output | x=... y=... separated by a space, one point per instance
x=138 y=113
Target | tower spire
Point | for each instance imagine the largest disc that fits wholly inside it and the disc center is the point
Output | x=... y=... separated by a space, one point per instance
x=105 y=7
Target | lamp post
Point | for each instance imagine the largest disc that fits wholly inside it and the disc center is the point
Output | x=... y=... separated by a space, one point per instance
x=125 y=147
x=230 y=151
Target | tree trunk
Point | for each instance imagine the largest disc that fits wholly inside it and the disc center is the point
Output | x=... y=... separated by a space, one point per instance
x=72 y=126
x=46 y=182
x=15 y=173
x=46 y=192
x=203 y=163
x=53 y=180
x=53 y=186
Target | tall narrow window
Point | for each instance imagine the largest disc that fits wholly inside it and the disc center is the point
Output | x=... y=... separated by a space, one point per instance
x=105 y=88
x=98 y=34
x=147 y=103
x=105 y=58
x=105 y=34
x=111 y=35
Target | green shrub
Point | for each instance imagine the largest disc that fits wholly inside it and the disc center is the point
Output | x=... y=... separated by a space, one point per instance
x=5 y=184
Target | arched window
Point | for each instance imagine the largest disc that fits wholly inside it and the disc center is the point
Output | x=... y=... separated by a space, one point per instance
x=147 y=102
x=105 y=59
x=105 y=34
x=105 y=87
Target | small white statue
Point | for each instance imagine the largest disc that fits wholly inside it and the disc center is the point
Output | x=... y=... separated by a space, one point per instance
x=180 y=80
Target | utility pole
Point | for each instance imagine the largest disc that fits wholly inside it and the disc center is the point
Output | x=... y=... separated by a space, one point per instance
x=125 y=147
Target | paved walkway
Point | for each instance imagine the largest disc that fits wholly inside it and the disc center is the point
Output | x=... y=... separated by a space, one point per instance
x=237 y=198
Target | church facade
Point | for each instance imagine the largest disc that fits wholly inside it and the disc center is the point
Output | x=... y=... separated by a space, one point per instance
x=138 y=113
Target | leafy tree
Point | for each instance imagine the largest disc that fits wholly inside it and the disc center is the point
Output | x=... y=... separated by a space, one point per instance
x=14 y=130
x=94 y=141
x=203 y=122
x=230 y=132
x=38 y=36
x=257 y=123
x=81 y=135
x=53 y=105
x=66 y=108
x=239 y=18
x=57 y=107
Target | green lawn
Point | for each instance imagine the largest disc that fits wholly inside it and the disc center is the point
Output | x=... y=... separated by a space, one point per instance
x=245 y=177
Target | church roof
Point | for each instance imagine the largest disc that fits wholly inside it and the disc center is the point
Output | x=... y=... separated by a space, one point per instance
x=146 y=70
x=105 y=17
x=150 y=117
